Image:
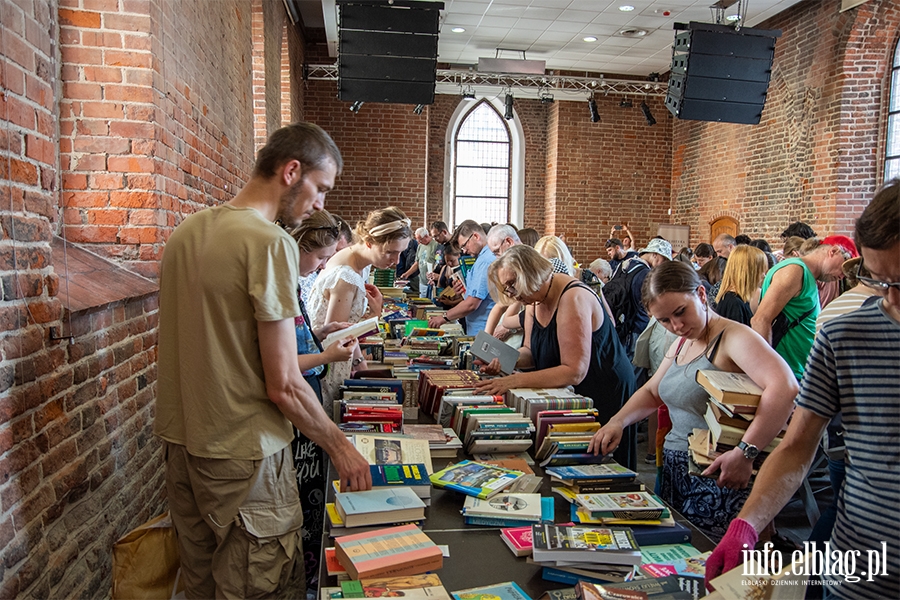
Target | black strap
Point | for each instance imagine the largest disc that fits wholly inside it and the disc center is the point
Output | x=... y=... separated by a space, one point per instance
x=800 y=319
x=711 y=356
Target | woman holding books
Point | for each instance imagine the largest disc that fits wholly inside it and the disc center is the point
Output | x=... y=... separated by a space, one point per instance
x=341 y=292
x=317 y=237
x=569 y=339
x=741 y=283
x=674 y=295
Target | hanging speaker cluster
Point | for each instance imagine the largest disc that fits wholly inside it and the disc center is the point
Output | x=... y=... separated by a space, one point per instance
x=387 y=51
x=719 y=73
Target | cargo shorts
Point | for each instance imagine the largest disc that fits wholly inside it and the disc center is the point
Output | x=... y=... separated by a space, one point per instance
x=238 y=524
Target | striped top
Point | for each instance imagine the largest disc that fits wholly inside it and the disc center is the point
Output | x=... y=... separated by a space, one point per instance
x=854 y=369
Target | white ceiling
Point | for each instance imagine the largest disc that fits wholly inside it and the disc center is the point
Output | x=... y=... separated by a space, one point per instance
x=554 y=30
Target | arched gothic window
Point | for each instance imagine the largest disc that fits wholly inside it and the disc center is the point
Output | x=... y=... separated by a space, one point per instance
x=482 y=163
x=892 y=151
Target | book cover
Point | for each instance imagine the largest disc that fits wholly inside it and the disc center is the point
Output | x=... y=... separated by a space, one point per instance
x=655 y=535
x=612 y=545
x=518 y=539
x=731 y=388
x=573 y=576
x=475 y=479
x=664 y=588
x=499 y=591
x=667 y=553
x=631 y=502
x=609 y=470
x=393 y=450
x=394 y=551
x=486 y=347
x=587 y=590
x=380 y=505
x=357 y=330
x=427 y=586
x=525 y=507
x=561 y=594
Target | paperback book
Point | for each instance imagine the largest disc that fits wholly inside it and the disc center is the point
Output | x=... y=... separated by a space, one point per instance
x=390 y=552
x=393 y=450
x=612 y=545
x=379 y=506
x=499 y=591
x=475 y=479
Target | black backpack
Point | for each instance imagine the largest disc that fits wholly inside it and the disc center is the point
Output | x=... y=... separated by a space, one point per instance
x=618 y=295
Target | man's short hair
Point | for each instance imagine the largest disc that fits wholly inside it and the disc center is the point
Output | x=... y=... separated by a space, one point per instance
x=798 y=229
x=501 y=232
x=613 y=242
x=878 y=227
x=422 y=232
x=742 y=240
x=304 y=142
x=726 y=239
x=468 y=227
x=439 y=226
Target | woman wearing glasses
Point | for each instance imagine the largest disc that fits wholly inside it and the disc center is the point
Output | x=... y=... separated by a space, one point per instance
x=569 y=340
x=341 y=292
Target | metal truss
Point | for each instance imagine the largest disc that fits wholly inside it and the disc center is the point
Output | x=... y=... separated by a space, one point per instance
x=540 y=84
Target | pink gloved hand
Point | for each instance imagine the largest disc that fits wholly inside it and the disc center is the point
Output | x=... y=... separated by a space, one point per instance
x=728 y=554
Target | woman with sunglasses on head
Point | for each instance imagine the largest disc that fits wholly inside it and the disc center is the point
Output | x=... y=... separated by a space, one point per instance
x=341 y=292
x=569 y=339
x=317 y=237
x=674 y=295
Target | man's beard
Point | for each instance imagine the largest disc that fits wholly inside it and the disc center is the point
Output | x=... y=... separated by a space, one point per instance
x=286 y=205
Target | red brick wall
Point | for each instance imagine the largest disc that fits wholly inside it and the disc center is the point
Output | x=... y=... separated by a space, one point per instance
x=816 y=156
x=601 y=174
x=384 y=149
x=153 y=124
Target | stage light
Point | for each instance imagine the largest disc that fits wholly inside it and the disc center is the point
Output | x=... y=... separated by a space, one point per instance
x=647 y=114
x=508 y=115
x=354 y=108
x=595 y=114
x=625 y=103
x=418 y=109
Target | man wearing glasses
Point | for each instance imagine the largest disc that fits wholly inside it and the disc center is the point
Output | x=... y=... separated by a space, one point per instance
x=790 y=288
x=477 y=305
x=853 y=369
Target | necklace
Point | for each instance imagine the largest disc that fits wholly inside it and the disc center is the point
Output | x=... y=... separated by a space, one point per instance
x=549 y=287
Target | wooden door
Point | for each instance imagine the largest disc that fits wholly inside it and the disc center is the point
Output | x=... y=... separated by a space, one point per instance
x=723 y=225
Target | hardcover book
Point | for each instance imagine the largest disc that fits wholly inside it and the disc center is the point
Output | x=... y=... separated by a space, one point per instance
x=731 y=388
x=610 y=471
x=390 y=552
x=379 y=506
x=357 y=330
x=475 y=479
x=393 y=450
x=500 y=591
x=627 y=503
x=524 y=507
x=585 y=544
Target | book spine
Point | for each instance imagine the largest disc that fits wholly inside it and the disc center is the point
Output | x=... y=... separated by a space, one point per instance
x=492 y=522
x=560 y=576
x=659 y=538
x=394 y=568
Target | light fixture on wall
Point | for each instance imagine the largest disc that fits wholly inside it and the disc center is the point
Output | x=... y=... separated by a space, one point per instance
x=625 y=103
x=418 y=109
x=354 y=108
x=546 y=97
x=647 y=114
x=592 y=106
x=508 y=115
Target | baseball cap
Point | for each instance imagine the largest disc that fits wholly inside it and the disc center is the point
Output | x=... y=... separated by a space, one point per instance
x=843 y=241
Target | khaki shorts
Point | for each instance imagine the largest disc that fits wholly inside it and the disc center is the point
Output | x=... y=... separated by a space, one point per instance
x=238 y=524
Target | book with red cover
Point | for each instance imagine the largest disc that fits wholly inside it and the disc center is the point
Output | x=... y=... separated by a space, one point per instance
x=390 y=552
x=433 y=384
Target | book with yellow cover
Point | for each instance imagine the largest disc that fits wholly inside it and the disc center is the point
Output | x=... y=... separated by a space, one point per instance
x=731 y=388
x=390 y=552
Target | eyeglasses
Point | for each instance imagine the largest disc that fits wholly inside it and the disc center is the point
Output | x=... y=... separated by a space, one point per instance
x=874 y=283
x=509 y=289
x=499 y=249
x=463 y=245
x=332 y=231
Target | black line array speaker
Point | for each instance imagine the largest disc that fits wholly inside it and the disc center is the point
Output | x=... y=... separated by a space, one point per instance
x=387 y=51
x=719 y=73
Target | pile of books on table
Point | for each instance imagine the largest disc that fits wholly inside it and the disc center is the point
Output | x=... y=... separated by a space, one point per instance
x=434 y=384
x=492 y=428
x=370 y=405
x=508 y=509
x=478 y=479
x=427 y=586
x=572 y=553
x=567 y=443
x=733 y=400
x=530 y=401
x=442 y=441
x=390 y=552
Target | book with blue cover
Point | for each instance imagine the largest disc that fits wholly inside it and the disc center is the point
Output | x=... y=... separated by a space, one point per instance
x=605 y=471
x=382 y=505
x=475 y=479
x=499 y=591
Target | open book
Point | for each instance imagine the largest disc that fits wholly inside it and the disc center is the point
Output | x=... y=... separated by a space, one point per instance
x=356 y=330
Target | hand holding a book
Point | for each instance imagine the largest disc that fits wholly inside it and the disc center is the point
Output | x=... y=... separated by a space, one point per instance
x=496 y=385
x=735 y=470
x=353 y=470
x=329 y=328
x=375 y=300
x=607 y=438
x=341 y=351
x=729 y=553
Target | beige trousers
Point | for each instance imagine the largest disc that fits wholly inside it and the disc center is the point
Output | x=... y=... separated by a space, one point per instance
x=238 y=524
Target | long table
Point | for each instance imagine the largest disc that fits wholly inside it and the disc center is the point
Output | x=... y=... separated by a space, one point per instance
x=478 y=556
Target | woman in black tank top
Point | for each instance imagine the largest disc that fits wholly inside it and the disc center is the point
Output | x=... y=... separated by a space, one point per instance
x=569 y=340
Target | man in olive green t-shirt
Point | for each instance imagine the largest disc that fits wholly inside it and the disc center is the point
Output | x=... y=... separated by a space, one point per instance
x=229 y=386
x=790 y=287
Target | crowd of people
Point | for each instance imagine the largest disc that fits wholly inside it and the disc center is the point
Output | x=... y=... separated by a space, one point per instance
x=629 y=331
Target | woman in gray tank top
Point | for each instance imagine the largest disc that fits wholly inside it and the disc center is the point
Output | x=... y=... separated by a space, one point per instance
x=674 y=295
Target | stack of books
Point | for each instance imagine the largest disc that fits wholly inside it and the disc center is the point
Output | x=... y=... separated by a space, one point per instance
x=546 y=418
x=567 y=444
x=491 y=429
x=530 y=401
x=433 y=384
x=390 y=552
x=414 y=477
x=620 y=508
x=571 y=553
x=442 y=441
x=733 y=400
x=589 y=479
x=376 y=402
x=476 y=479
x=508 y=509
x=451 y=399
x=667 y=588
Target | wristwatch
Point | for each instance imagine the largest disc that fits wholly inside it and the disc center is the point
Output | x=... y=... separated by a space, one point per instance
x=750 y=451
